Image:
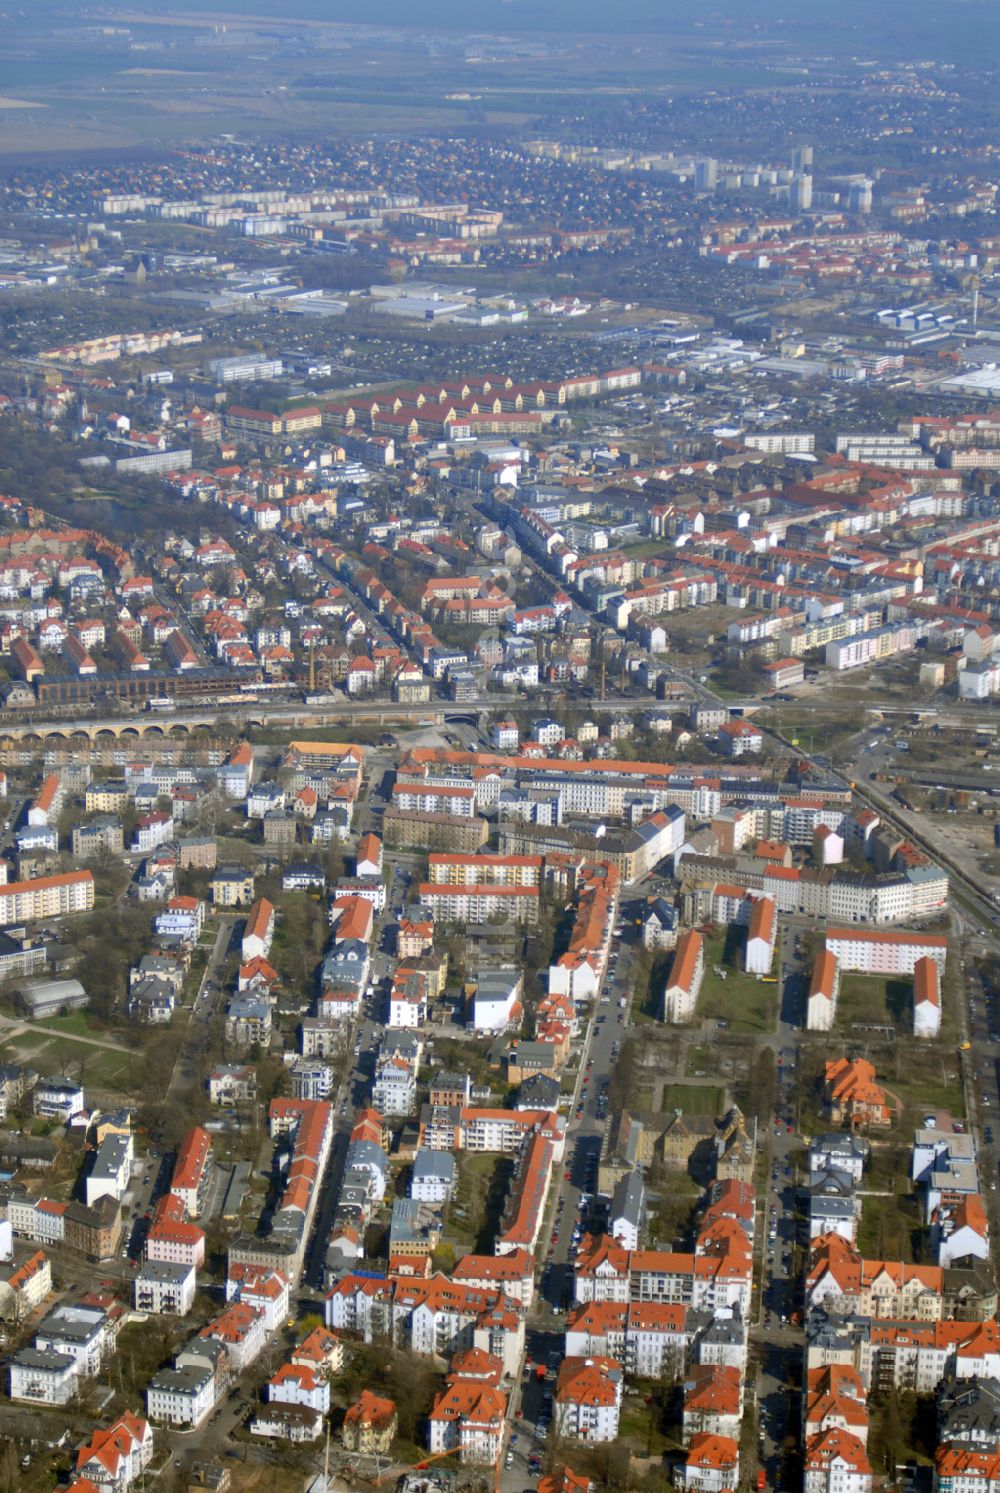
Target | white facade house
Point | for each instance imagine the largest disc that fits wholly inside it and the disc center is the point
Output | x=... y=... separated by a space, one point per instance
x=577 y=974
x=961 y=1231
x=369 y=857
x=878 y=952
x=588 y=1399
x=711 y=1465
x=116 y=1455
x=761 y=933
x=298 y=1384
x=112 y=1169
x=828 y=846
x=824 y=987
x=38 y=1219
x=496 y=1002
x=839 y=1151
x=258 y=931
x=836 y=1462
x=926 y=998
x=165 y=1288
x=57 y=1098
x=687 y=971
x=42 y=1377
x=434 y=1176
x=265 y=1291
x=627 y=1214
x=468 y=1417
x=182 y=1396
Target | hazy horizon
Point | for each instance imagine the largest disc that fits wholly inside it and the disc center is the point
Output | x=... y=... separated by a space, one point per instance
x=907 y=24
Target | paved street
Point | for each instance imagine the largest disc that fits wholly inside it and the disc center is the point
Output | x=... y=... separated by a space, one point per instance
x=572 y=1209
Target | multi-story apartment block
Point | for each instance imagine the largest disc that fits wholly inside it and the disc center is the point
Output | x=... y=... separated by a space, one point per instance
x=46 y=897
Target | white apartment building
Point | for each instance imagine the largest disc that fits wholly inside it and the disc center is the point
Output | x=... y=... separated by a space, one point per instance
x=46 y=897
x=926 y=998
x=762 y=930
x=824 y=987
x=81 y=1331
x=165 y=1288
x=501 y=1130
x=112 y=1169
x=182 y=1396
x=40 y=1377
x=879 y=952
x=851 y=653
x=431 y=798
x=408 y=1005
x=588 y=1399
x=836 y=1462
x=686 y=974
x=311 y=1079
x=38 y=1219
x=298 y=1384
x=480 y=903
x=434 y=1174
x=891 y=899
x=395 y=1089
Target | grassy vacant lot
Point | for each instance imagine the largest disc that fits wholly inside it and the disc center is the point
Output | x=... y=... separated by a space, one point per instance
x=75 y=1024
x=480 y=1194
x=693 y=1098
x=891 y=1228
x=649 y=1420
x=55 y=1054
x=875 y=999
x=820 y=730
x=745 y=1002
x=926 y=1092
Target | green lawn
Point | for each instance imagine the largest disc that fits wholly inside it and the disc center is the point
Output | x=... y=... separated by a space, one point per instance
x=73 y=1024
x=748 y=1004
x=693 y=1099
x=645 y=1421
x=816 y=730
x=883 y=1000
x=477 y=1197
x=49 y=1055
x=927 y=1093
x=891 y=1229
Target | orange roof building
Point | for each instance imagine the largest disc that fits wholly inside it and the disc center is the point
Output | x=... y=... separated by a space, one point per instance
x=680 y=993
x=852 y=1095
x=370 y=1423
x=926 y=998
x=119 y=1454
x=713 y=1400
x=824 y=987
x=565 y=1481
x=836 y=1460
x=468 y=1417
x=588 y=1398
x=712 y=1463
x=191 y=1169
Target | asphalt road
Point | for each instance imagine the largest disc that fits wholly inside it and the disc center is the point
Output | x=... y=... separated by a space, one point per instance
x=572 y=1207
